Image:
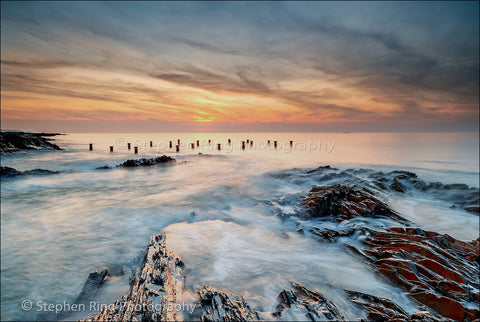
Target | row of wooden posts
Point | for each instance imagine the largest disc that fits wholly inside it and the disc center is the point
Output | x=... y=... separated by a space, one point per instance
x=177 y=147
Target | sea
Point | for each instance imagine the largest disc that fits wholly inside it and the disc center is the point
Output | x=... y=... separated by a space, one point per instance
x=232 y=214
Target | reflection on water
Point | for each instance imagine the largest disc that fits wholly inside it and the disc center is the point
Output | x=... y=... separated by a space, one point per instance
x=216 y=209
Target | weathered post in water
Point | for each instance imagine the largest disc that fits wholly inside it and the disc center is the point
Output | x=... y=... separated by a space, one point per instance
x=178 y=141
x=243 y=145
x=198 y=142
x=251 y=143
x=192 y=145
x=209 y=142
x=291 y=143
x=111 y=148
x=170 y=144
x=229 y=141
x=136 y=149
x=90 y=146
x=275 y=144
x=268 y=142
x=219 y=146
x=129 y=146
x=177 y=147
x=151 y=143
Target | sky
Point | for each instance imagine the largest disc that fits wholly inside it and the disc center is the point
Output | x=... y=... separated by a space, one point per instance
x=240 y=66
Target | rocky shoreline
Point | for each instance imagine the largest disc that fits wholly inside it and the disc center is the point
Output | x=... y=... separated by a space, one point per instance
x=439 y=272
x=16 y=141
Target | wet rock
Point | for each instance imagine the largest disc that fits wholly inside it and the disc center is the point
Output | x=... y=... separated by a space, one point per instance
x=146 y=162
x=468 y=198
x=7 y=172
x=40 y=172
x=155 y=291
x=330 y=235
x=383 y=309
x=321 y=168
x=218 y=306
x=94 y=281
x=344 y=202
x=437 y=270
x=312 y=304
x=397 y=186
x=15 y=141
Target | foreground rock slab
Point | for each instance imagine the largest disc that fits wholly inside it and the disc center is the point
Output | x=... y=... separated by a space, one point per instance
x=437 y=270
x=154 y=292
x=16 y=141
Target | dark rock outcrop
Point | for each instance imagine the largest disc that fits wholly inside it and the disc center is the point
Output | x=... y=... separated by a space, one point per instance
x=218 y=306
x=15 y=141
x=7 y=172
x=146 y=162
x=308 y=302
x=154 y=292
x=344 y=202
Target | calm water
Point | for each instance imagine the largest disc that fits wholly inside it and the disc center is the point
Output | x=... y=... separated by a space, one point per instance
x=218 y=210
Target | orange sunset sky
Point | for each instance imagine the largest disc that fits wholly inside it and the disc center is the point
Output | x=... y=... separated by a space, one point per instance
x=239 y=66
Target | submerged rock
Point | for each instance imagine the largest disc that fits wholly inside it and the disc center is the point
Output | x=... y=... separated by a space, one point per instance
x=7 y=172
x=218 y=306
x=15 y=141
x=154 y=292
x=94 y=281
x=146 y=162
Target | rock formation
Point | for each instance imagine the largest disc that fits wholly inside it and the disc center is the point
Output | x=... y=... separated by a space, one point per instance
x=146 y=162
x=343 y=202
x=218 y=306
x=15 y=141
x=7 y=172
x=437 y=270
x=154 y=292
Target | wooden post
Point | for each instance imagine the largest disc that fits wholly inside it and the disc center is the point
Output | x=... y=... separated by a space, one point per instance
x=178 y=141
x=209 y=142
x=90 y=146
x=251 y=143
x=248 y=141
x=198 y=142
x=136 y=149
x=193 y=145
x=151 y=143
x=170 y=144
x=219 y=146
x=275 y=144
x=111 y=148
x=243 y=145
x=268 y=142
x=177 y=147
x=229 y=141
x=129 y=146
x=291 y=143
